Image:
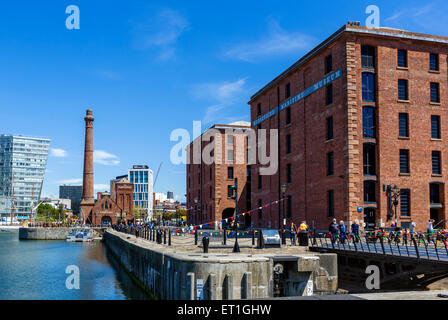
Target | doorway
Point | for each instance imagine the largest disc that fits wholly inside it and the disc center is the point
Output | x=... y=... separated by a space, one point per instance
x=369 y=218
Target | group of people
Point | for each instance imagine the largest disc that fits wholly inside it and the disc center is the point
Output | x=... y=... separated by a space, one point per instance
x=294 y=231
x=339 y=230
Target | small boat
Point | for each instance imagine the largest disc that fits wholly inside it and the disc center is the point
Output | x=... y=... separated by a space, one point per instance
x=80 y=235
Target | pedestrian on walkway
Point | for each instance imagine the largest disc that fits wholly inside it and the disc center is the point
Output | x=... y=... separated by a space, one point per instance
x=342 y=231
x=293 y=232
x=303 y=226
x=355 y=229
x=333 y=230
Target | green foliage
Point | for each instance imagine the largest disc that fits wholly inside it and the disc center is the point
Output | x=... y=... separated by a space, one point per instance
x=46 y=212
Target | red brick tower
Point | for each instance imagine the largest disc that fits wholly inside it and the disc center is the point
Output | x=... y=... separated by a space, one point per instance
x=88 y=200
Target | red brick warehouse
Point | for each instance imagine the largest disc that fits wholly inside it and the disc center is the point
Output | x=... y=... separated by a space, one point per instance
x=208 y=184
x=364 y=110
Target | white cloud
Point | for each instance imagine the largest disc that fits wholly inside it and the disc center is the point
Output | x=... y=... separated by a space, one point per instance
x=161 y=32
x=69 y=181
x=105 y=158
x=101 y=187
x=58 y=153
x=224 y=95
x=277 y=42
x=427 y=18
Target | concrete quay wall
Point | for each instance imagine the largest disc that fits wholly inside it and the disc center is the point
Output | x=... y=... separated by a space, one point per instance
x=39 y=233
x=175 y=275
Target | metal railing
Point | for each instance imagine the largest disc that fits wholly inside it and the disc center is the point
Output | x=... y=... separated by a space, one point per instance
x=419 y=245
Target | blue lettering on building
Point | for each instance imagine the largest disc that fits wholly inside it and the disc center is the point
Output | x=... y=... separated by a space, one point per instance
x=320 y=84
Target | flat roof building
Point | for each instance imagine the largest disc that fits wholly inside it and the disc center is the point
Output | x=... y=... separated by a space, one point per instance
x=211 y=174
x=364 y=111
x=23 y=161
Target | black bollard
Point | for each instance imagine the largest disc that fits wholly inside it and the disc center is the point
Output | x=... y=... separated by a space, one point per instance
x=260 y=240
x=150 y=234
x=205 y=243
x=225 y=237
x=169 y=238
x=164 y=236
x=196 y=237
x=253 y=237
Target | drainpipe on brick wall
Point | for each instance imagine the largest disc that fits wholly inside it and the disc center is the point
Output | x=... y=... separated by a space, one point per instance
x=278 y=154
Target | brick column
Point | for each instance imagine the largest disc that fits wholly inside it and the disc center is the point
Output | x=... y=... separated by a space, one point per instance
x=88 y=200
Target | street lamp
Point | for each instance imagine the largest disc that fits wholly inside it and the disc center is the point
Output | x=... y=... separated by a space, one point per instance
x=283 y=189
x=394 y=195
x=236 y=247
x=196 y=209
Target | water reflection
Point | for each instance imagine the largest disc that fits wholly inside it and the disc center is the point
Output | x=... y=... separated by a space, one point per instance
x=36 y=270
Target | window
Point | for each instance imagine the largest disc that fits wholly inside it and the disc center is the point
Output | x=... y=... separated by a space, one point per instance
x=433 y=62
x=368 y=122
x=288 y=144
x=288 y=206
x=287 y=91
x=403 y=125
x=329 y=98
x=289 y=173
x=436 y=162
x=435 y=127
x=329 y=128
x=260 y=181
x=402 y=58
x=404 y=161
x=369 y=191
x=368 y=86
x=288 y=115
x=328 y=64
x=229 y=172
x=368 y=56
x=330 y=163
x=259 y=109
x=435 y=93
x=403 y=90
x=434 y=193
x=229 y=191
x=330 y=204
x=405 y=202
x=230 y=155
x=369 y=158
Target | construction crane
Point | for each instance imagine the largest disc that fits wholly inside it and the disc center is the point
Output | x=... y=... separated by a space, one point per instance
x=157 y=175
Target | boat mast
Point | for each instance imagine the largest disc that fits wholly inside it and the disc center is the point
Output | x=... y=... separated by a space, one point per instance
x=12 y=199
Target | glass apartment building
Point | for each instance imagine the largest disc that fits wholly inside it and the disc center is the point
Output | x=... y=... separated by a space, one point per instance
x=142 y=179
x=23 y=161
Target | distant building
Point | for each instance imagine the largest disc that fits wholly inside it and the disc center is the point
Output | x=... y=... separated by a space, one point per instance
x=55 y=203
x=22 y=162
x=142 y=179
x=209 y=185
x=170 y=195
x=74 y=193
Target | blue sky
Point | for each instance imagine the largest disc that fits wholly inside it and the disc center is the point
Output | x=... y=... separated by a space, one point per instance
x=149 y=67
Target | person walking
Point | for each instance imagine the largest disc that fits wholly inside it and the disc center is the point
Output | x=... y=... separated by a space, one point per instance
x=342 y=231
x=355 y=230
x=293 y=232
x=333 y=230
x=303 y=226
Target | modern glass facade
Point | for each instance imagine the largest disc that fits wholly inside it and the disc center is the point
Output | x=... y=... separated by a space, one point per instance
x=74 y=193
x=141 y=178
x=22 y=166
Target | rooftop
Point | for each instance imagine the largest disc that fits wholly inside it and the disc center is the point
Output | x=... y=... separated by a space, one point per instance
x=351 y=28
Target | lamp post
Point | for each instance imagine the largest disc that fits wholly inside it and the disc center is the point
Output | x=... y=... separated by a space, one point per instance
x=394 y=195
x=196 y=209
x=283 y=188
x=236 y=247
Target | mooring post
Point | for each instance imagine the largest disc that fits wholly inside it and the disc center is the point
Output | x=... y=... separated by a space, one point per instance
x=224 y=239
x=164 y=236
x=169 y=238
x=196 y=237
x=253 y=237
